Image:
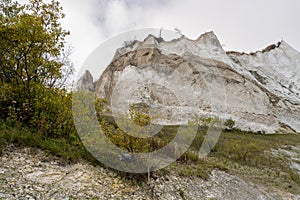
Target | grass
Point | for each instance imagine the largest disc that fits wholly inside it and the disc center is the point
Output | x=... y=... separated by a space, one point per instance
x=61 y=147
x=244 y=154
x=249 y=148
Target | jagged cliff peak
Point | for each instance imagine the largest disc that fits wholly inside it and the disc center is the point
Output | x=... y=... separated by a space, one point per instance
x=209 y=39
x=86 y=82
x=151 y=39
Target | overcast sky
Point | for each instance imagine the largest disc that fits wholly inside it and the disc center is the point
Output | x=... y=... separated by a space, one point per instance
x=239 y=24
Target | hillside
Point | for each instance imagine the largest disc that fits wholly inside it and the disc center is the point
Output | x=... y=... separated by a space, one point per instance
x=256 y=155
x=259 y=91
x=27 y=173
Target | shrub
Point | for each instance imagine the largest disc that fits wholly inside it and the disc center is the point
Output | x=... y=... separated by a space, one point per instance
x=229 y=123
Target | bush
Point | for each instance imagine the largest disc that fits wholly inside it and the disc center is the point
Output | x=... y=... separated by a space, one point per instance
x=47 y=111
x=119 y=136
x=229 y=123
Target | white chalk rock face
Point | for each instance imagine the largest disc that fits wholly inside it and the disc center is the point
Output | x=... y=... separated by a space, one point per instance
x=86 y=82
x=182 y=78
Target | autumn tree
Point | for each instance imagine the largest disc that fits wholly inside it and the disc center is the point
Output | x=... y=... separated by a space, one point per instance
x=32 y=43
x=34 y=62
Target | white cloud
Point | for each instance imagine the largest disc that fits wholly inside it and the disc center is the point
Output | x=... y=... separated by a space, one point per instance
x=117 y=17
x=85 y=35
x=240 y=25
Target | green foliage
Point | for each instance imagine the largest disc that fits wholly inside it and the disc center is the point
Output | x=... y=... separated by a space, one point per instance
x=215 y=121
x=248 y=148
x=21 y=136
x=49 y=112
x=120 y=137
x=229 y=123
x=34 y=68
x=32 y=44
x=181 y=193
x=210 y=121
x=138 y=116
x=99 y=106
x=189 y=156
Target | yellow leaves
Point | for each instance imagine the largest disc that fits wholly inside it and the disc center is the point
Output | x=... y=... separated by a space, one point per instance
x=32 y=38
x=138 y=115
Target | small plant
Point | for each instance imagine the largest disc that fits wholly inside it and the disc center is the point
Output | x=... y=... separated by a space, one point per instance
x=229 y=123
x=210 y=122
x=181 y=193
x=189 y=156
